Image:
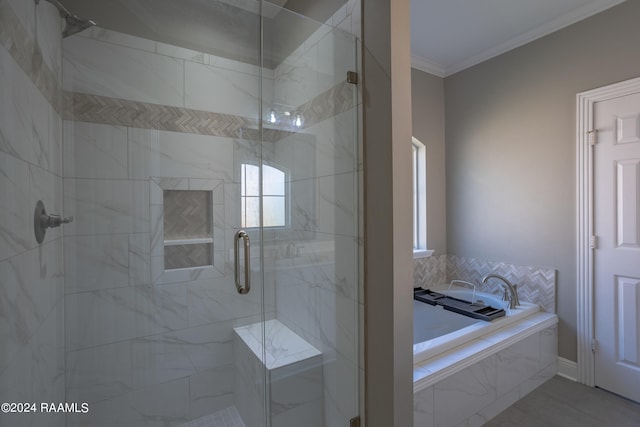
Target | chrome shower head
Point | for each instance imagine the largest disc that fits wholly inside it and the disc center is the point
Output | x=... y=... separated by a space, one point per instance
x=73 y=24
x=76 y=25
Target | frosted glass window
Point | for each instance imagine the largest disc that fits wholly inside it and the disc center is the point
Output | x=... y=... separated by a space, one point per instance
x=274 y=196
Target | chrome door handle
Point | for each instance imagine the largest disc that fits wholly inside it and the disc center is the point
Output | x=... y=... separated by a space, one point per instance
x=242 y=235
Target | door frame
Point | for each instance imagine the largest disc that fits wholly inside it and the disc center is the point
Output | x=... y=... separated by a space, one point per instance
x=585 y=207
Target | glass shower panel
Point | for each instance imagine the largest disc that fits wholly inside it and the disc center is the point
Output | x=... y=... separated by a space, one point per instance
x=162 y=109
x=310 y=132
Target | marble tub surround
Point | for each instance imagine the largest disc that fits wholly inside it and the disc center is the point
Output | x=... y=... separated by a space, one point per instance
x=535 y=284
x=31 y=275
x=474 y=383
x=293 y=376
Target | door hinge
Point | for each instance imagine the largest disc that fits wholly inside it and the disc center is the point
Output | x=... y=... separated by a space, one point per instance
x=594 y=345
x=593 y=136
x=354 y=422
x=352 y=77
x=593 y=242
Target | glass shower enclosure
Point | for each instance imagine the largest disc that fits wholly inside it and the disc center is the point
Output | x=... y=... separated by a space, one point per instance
x=209 y=276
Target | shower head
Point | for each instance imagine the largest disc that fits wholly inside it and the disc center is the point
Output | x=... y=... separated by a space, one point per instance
x=76 y=25
x=73 y=24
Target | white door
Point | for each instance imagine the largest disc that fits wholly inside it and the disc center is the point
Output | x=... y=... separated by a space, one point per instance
x=617 y=255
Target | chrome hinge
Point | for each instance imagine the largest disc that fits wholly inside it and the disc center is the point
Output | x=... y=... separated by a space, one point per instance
x=593 y=136
x=354 y=422
x=594 y=346
x=593 y=242
x=352 y=77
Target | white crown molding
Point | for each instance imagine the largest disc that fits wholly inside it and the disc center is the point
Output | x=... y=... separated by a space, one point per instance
x=592 y=8
x=422 y=64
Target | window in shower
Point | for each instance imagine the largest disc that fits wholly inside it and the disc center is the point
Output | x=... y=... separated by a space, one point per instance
x=274 y=196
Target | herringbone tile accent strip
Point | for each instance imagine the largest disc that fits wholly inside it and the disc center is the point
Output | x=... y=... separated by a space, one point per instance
x=187 y=214
x=113 y=111
x=537 y=285
x=430 y=272
x=330 y=103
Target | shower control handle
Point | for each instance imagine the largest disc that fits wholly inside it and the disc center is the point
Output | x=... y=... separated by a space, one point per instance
x=242 y=235
x=53 y=220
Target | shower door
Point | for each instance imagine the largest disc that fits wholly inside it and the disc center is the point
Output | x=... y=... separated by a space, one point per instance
x=210 y=163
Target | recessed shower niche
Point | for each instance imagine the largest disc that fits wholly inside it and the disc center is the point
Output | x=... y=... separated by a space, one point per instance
x=187 y=229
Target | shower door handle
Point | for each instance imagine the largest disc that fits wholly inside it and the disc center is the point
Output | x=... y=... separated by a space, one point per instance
x=242 y=235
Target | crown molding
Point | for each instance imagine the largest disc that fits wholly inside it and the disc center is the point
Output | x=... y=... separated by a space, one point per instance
x=422 y=64
x=592 y=8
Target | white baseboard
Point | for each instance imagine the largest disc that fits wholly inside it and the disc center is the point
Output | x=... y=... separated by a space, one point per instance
x=567 y=369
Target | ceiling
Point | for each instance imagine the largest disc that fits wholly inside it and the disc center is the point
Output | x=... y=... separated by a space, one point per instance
x=448 y=36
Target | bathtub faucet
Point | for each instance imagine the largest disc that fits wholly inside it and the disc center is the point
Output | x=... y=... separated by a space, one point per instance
x=510 y=290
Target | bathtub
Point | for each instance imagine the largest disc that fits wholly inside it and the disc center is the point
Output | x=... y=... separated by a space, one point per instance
x=466 y=371
x=436 y=330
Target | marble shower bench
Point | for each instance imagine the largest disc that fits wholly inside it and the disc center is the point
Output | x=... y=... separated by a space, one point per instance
x=294 y=376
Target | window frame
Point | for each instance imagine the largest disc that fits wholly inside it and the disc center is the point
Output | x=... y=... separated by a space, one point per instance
x=261 y=195
x=419 y=198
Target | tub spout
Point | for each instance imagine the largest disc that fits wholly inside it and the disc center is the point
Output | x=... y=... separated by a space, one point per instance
x=510 y=290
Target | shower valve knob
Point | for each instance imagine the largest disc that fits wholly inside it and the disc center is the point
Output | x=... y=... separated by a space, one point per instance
x=52 y=220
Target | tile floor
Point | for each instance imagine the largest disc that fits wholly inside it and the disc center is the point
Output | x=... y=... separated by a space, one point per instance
x=227 y=417
x=563 y=403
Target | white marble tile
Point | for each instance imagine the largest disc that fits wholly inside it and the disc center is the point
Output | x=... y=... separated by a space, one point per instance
x=95 y=151
x=517 y=363
x=48 y=358
x=334 y=144
x=340 y=383
x=99 y=317
x=212 y=301
x=209 y=346
x=157 y=359
x=462 y=394
x=538 y=379
x=16 y=217
x=50 y=38
x=55 y=143
x=337 y=204
x=423 y=410
x=105 y=69
x=211 y=390
x=31 y=289
x=99 y=373
x=180 y=53
x=96 y=262
x=296 y=79
x=24 y=115
x=106 y=206
x=139 y=259
x=123 y=39
x=160 y=308
x=337 y=55
x=16 y=386
x=221 y=91
x=147 y=407
x=493 y=409
x=548 y=346
x=178 y=155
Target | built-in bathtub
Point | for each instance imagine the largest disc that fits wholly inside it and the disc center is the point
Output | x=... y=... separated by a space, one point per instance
x=468 y=370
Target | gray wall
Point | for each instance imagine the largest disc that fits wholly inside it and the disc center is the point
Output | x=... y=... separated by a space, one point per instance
x=511 y=156
x=427 y=106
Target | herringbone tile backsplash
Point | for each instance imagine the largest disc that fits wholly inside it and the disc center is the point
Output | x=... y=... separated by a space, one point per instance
x=535 y=284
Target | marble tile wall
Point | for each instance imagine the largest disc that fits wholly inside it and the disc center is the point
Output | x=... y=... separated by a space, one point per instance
x=124 y=137
x=535 y=284
x=474 y=395
x=145 y=346
x=31 y=274
x=316 y=284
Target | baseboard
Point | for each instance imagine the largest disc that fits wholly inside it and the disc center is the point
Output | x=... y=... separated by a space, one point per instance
x=567 y=369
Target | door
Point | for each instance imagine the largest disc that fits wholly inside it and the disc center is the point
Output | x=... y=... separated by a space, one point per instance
x=617 y=254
